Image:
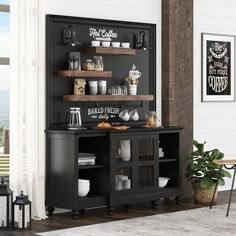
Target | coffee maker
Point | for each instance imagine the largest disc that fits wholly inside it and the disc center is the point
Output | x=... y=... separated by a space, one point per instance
x=73 y=118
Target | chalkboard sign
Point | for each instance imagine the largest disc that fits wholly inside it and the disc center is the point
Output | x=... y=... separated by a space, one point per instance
x=217 y=67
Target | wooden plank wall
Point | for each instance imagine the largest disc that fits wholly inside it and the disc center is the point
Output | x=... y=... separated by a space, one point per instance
x=177 y=70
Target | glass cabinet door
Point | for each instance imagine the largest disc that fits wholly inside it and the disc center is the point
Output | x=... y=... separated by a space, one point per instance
x=146 y=149
x=123 y=179
x=123 y=150
x=146 y=176
x=134 y=160
x=146 y=155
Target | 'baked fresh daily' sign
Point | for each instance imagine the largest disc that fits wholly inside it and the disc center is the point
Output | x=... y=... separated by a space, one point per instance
x=103 y=113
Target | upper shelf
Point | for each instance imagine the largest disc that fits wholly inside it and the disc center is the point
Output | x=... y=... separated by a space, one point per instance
x=110 y=51
x=84 y=98
x=84 y=73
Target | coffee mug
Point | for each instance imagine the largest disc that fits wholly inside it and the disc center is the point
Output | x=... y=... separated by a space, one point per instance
x=93 y=87
x=102 y=87
x=124 y=115
x=134 y=115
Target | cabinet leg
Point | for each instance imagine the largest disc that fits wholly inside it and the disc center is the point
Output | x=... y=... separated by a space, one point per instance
x=50 y=210
x=127 y=206
x=75 y=214
x=110 y=210
x=82 y=211
x=178 y=200
x=155 y=204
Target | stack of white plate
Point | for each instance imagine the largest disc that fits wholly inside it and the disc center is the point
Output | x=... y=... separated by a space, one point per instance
x=83 y=187
x=86 y=159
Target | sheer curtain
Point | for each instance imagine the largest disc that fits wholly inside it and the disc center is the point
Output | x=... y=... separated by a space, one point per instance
x=27 y=98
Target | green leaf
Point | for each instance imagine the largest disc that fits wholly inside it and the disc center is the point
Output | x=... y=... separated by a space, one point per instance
x=225 y=173
x=206 y=183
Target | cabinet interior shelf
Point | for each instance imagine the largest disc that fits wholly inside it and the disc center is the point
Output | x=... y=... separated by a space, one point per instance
x=85 y=167
x=84 y=98
x=167 y=160
x=84 y=73
x=110 y=51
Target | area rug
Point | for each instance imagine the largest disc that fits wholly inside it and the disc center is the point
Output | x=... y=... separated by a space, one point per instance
x=196 y=222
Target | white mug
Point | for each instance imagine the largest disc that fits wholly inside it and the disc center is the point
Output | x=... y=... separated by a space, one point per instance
x=93 y=87
x=124 y=115
x=134 y=115
x=102 y=87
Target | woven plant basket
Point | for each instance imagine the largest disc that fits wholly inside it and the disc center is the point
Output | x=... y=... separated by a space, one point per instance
x=201 y=195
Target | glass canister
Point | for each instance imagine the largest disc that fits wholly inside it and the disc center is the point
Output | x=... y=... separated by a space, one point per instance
x=74 y=61
x=98 y=63
x=88 y=65
x=152 y=119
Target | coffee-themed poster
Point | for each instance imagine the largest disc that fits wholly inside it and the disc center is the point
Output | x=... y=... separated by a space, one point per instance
x=218 y=80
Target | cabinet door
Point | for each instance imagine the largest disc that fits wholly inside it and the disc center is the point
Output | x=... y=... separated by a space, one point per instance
x=146 y=150
x=122 y=163
x=134 y=163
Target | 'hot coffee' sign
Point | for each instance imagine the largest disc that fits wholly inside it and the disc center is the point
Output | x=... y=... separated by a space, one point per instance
x=102 y=34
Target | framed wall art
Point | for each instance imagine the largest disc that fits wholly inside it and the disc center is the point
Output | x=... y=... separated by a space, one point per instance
x=218 y=79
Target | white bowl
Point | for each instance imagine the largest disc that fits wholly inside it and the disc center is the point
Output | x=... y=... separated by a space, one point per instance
x=95 y=43
x=125 y=45
x=83 y=191
x=163 y=181
x=83 y=185
x=106 y=44
x=83 y=181
x=115 y=44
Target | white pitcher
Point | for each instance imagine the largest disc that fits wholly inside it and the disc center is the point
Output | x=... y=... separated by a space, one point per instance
x=124 y=150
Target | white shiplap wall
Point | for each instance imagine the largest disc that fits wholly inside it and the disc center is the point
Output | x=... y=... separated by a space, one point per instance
x=123 y=10
x=214 y=122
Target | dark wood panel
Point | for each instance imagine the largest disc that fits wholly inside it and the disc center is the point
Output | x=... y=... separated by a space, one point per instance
x=177 y=69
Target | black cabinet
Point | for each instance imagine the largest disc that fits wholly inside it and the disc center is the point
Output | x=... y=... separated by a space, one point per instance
x=63 y=171
x=127 y=168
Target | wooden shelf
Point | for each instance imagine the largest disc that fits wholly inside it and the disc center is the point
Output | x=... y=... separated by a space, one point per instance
x=84 y=73
x=84 y=98
x=167 y=159
x=86 y=167
x=110 y=51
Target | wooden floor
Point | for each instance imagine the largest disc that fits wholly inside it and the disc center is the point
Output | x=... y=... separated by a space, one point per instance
x=64 y=220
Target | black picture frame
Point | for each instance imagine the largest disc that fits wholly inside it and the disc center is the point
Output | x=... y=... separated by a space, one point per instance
x=218 y=62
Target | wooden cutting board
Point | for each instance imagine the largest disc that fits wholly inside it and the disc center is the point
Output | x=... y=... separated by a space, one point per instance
x=122 y=127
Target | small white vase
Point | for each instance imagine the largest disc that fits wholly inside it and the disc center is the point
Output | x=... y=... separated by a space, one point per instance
x=133 y=89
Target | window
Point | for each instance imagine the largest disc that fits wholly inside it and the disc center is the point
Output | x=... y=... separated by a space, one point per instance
x=4 y=86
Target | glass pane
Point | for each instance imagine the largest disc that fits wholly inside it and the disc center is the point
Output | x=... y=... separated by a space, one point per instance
x=146 y=176
x=5 y=2
x=123 y=179
x=146 y=149
x=4 y=109
x=4 y=34
x=123 y=150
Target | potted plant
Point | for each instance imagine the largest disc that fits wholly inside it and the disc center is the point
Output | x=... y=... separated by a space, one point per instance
x=203 y=172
